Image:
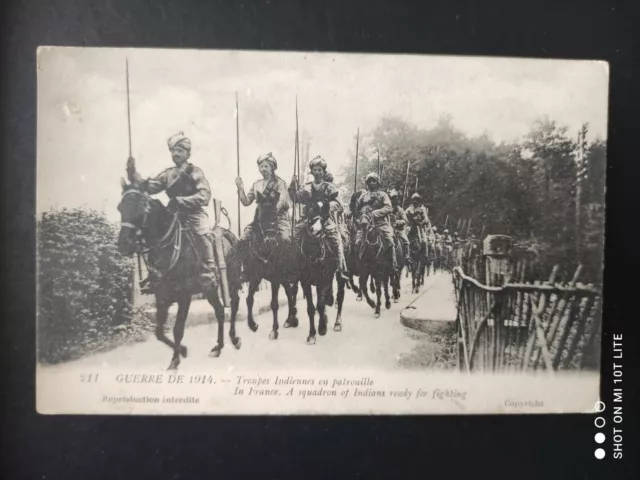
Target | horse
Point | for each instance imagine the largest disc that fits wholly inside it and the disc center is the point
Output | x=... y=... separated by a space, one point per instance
x=149 y=228
x=418 y=253
x=397 y=274
x=372 y=262
x=319 y=265
x=265 y=257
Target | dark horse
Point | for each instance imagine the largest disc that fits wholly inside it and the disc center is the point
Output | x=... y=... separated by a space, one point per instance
x=397 y=273
x=418 y=254
x=318 y=267
x=265 y=257
x=147 y=227
x=372 y=262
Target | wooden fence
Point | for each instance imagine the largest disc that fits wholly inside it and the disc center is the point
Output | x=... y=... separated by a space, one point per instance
x=508 y=322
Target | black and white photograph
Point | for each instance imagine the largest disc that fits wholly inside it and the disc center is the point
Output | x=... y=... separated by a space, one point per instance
x=240 y=232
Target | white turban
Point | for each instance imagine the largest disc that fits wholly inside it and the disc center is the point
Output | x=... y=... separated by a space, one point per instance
x=179 y=139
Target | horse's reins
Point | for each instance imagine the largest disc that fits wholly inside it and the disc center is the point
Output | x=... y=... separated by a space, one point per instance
x=320 y=241
x=172 y=231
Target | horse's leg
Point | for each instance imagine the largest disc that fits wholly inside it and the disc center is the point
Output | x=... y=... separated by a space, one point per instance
x=355 y=288
x=218 y=308
x=184 y=302
x=322 y=291
x=372 y=285
x=253 y=286
x=337 y=327
x=162 y=313
x=292 y=297
x=311 y=311
x=235 y=303
x=385 y=284
x=364 y=291
x=275 y=288
x=378 y=294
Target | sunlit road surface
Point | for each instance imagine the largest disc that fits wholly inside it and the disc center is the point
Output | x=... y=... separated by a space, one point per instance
x=380 y=343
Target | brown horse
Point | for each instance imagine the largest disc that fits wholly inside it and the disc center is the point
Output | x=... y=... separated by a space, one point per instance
x=154 y=231
x=266 y=257
x=319 y=265
x=371 y=262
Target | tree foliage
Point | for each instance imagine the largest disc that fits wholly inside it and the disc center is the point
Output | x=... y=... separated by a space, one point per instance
x=526 y=189
x=84 y=285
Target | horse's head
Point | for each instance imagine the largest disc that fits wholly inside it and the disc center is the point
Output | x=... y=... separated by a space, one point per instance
x=134 y=209
x=268 y=222
x=317 y=214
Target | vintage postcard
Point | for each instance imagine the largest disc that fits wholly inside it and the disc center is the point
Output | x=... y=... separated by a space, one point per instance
x=245 y=233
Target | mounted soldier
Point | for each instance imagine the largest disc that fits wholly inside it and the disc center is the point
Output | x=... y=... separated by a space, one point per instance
x=337 y=212
x=379 y=204
x=270 y=192
x=417 y=217
x=189 y=193
x=316 y=191
x=400 y=224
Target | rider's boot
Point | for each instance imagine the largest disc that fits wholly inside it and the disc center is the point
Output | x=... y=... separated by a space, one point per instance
x=392 y=252
x=208 y=267
x=342 y=264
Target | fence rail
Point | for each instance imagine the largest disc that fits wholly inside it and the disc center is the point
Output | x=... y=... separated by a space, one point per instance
x=524 y=326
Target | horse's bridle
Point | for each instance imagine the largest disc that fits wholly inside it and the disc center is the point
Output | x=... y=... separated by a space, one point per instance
x=138 y=229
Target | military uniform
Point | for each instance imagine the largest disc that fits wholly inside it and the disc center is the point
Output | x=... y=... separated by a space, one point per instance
x=381 y=209
x=400 y=228
x=270 y=194
x=189 y=192
x=417 y=216
x=313 y=192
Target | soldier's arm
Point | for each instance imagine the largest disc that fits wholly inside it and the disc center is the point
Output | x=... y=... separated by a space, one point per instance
x=282 y=204
x=203 y=191
x=247 y=198
x=401 y=218
x=303 y=195
x=386 y=208
x=332 y=192
x=155 y=185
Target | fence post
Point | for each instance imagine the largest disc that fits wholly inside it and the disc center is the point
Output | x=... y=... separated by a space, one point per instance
x=497 y=253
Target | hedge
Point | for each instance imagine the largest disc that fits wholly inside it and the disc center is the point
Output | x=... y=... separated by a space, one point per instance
x=84 y=286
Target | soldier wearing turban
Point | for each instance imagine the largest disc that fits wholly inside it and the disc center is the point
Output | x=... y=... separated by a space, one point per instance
x=268 y=192
x=381 y=208
x=320 y=190
x=400 y=223
x=189 y=193
x=418 y=218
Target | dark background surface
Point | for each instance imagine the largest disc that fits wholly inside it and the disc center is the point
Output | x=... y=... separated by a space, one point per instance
x=35 y=446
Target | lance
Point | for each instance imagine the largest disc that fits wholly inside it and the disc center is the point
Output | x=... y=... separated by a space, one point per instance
x=468 y=227
x=128 y=108
x=298 y=155
x=446 y=220
x=406 y=180
x=459 y=224
x=238 y=154
x=355 y=176
x=134 y=292
x=379 y=171
x=482 y=232
x=416 y=189
x=295 y=191
x=464 y=222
